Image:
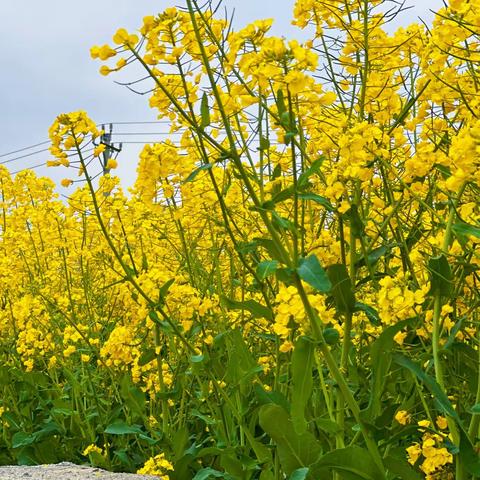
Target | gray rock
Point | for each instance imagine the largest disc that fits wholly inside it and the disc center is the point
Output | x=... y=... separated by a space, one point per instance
x=65 y=471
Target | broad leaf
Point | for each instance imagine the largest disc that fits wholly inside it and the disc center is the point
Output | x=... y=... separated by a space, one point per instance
x=342 y=290
x=353 y=463
x=317 y=199
x=205 y=111
x=468 y=456
x=302 y=379
x=315 y=167
x=401 y=468
x=119 y=427
x=310 y=271
x=256 y=309
x=206 y=473
x=380 y=361
x=192 y=176
x=266 y=268
x=465 y=229
x=438 y=394
x=294 y=451
x=299 y=474
x=441 y=280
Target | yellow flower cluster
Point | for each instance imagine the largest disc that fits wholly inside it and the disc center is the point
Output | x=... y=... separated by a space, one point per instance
x=397 y=301
x=92 y=448
x=290 y=316
x=67 y=133
x=432 y=453
x=158 y=466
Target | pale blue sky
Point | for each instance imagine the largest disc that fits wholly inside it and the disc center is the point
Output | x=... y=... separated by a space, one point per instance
x=47 y=68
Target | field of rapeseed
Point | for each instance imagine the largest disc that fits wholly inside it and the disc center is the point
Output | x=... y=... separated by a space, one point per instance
x=291 y=288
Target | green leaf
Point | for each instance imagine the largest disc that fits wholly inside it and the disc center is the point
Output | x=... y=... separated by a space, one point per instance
x=294 y=451
x=277 y=172
x=96 y=459
x=465 y=229
x=122 y=455
x=467 y=455
x=164 y=325
x=256 y=309
x=353 y=463
x=180 y=442
x=299 y=474
x=208 y=420
x=270 y=246
x=401 y=468
x=380 y=362
x=328 y=426
x=356 y=223
x=441 y=280
x=267 y=475
x=22 y=439
x=205 y=111
x=191 y=177
x=445 y=171
x=282 y=223
x=162 y=293
x=342 y=290
x=453 y=333
x=286 y=275
x=302 y=379
x=119 y=427
x=438 y=394
x=475 y=409
x=369 y=311
x=315 y=167
x=273 y=396
x=241 y=365
x=197 y=358
x=283 y=195
x=231 y=464
x=147 y=356
x=280 y=101
x=264 y=143
x=289 y=136
x=266 y=268
x=310 y=271
x=206 y=473
x=373 y=256
x=247 y=247
x=286 y=120
x=331 y=336
x=26 y=456
x=317 y=199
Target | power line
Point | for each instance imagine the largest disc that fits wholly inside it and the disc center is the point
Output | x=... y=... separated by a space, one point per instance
x=136 y=123
x=164 y=122
x=146 y=133
x=24 y=156
x=25 y=148
x=29 y=168
x=140 y=143
x=98 y=125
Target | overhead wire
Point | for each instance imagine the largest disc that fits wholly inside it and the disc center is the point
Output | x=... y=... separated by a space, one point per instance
x=114 y=134
x=24 y=148
x=29 y=147
x=23 y=156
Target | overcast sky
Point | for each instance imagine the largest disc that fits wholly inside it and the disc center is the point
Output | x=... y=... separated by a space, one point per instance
x=47 y=67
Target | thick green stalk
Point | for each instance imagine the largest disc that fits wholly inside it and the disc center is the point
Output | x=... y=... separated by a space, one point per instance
x=339 y=377
x=436 y=333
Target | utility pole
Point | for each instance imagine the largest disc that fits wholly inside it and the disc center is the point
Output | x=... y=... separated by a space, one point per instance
x=106 y=139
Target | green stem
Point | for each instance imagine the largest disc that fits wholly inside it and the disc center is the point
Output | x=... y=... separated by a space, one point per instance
x=339 y=377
